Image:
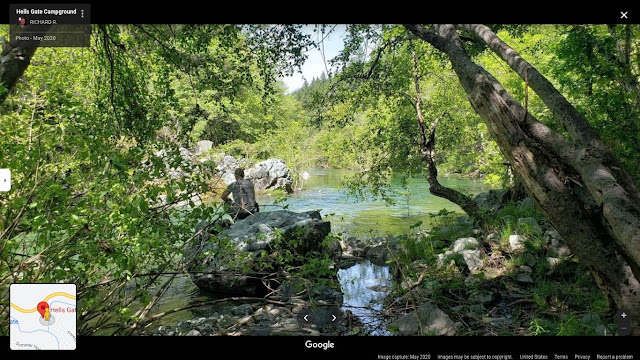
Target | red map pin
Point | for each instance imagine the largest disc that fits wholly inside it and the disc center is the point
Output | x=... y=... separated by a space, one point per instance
x=41 y=307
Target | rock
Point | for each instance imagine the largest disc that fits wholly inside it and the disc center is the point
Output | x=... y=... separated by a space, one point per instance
x=378 y=288
x=465 y=243
x=226 y=321
x=270 y=174
x=553 y=262
x=253 y=235
x=333 y=248
x=502 y=195
x=526 y=269
x=438 y=244
x=175 y=165
x=564 y=251
x=554 y=234
x=326 y=294
x=532 y=223
x=602 y=330
x=493 y=238
x=473 y=259
x=262 y=315
x=493 y=200
x=481 y=297
x=242 y=310
x=502 y=321
x=193 y=333
x=558 y=249
x=442 y=257
x=527 y=203
x=227 y=165
x=476 y=232
x=202 y=146
x=347 y=262
x=516 y=242
x=487 y=201
x=246 y=320
x=281 y=311
x=228 y=178
x=378 y=254
x=591 y=319
x=433 y=320
x=524 y=278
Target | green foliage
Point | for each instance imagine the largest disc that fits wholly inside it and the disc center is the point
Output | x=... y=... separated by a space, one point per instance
x=92 y=203
x=602 y=84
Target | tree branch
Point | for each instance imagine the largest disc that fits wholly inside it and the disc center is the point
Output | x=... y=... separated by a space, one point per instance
x=575 y=124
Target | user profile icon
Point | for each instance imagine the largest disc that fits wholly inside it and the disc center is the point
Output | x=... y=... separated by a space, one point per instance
x=21 y=21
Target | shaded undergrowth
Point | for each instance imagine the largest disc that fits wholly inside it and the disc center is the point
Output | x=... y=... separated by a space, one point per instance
x=526 y=292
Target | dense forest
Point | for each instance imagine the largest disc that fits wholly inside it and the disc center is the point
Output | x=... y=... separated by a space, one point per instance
x=550 y=112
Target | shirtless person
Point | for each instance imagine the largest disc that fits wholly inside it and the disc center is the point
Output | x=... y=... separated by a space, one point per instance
x=244 y=197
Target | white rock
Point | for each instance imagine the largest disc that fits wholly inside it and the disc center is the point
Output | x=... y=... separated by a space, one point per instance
x=516 y=242
x=202 y=146
x=473 y=259
x=465 y=244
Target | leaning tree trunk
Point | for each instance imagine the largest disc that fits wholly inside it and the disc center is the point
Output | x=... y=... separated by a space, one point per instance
x=577 y=184
x=14 y=60
x=427 y=146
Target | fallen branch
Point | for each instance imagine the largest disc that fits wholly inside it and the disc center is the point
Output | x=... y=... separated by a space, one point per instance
x=522 y=301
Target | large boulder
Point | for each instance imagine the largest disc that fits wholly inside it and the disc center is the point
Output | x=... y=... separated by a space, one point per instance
x=433 y=320
x=303 y=232
x=531 y=223
x=493 y=200
x=175 y=165
x=203 y=146
x=271 y=174
x=225 y=166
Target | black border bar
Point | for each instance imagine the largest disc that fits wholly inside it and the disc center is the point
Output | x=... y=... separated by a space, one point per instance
x=267 y=12
x=374 y=348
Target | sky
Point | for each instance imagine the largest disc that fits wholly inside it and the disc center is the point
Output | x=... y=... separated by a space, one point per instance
x=315 y=65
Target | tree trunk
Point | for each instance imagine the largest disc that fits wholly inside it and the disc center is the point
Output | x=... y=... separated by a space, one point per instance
x=14 y=60
x=577 y=185
x=427 y=151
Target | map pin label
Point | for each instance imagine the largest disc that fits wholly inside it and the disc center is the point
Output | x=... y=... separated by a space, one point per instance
x=41 y=307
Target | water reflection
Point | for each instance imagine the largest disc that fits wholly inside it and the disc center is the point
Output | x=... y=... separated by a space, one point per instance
x=361 y=285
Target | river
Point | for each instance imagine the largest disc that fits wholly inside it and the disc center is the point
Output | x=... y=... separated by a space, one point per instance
x=372 y=217
x=324 y=191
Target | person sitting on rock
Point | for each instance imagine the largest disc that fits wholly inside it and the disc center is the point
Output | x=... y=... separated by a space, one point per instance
x=244 y=197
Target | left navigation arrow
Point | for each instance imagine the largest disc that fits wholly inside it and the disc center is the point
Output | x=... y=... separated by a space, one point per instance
x=5 y=175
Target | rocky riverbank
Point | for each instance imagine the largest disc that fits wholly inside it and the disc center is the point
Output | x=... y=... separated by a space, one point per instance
x=504 y=277
x=511 y=275
x=268 y=175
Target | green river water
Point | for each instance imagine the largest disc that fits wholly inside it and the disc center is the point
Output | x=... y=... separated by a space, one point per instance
x=323 y=191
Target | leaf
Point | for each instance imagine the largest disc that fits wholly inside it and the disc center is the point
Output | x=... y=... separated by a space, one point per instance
x=144 y=206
